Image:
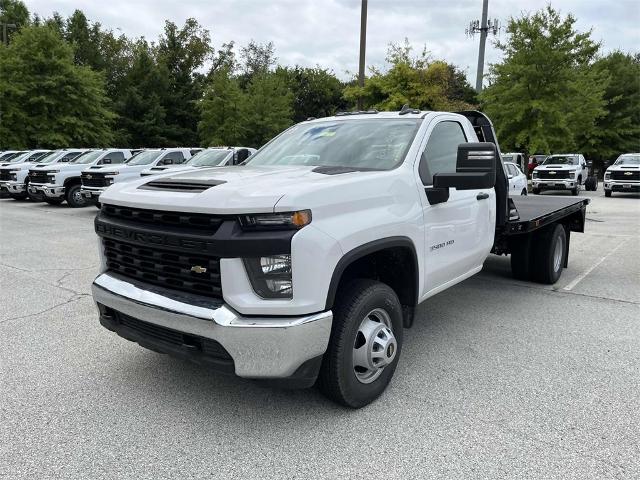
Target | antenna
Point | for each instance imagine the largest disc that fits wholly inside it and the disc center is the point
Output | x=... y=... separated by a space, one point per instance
x=483 y=28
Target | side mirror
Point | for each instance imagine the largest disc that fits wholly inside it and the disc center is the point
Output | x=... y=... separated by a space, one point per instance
x=106 y=161
x=168 y=161
x=475 y=170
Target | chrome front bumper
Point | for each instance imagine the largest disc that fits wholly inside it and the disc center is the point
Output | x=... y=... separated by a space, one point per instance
x=555 y=184
x=91 y=192
x=261 y=347
x=49 y=191
x=621 y=186
x=15 y=187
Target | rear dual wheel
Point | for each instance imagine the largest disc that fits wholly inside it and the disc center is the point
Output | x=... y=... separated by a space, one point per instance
x=365 y=344
x=543 y=258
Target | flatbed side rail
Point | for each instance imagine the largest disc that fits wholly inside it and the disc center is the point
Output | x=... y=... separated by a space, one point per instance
x=574 y=217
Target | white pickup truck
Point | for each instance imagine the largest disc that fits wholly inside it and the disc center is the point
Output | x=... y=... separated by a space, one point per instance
x=58 y=183
x=624 y=175
x=15 y=163
x=306 y=263
x=97 y=178
x=211 y=157
x=18 y=175
x=560 y=172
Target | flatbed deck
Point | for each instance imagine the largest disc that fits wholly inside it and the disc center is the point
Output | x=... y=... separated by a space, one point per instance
x=536 y=212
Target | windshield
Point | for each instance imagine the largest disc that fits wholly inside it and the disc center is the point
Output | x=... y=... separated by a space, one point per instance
x=88 y=157
x=628 y=160
x=208 y=158
x=144 y=158
x=49 y=157
x=379 y=144
x=507 y=158
x=561 y=160
x=20 y=157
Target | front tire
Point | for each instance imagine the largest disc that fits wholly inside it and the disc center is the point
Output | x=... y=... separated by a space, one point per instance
x=524 y=191
x=53 y=201
x=536 y=191
x=18 y=196
x=365 y=344
x=575 y=191
x=607 y=193
x=74 y=198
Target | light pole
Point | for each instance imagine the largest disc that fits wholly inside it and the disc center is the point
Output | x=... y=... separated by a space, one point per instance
x=483 y=28
x=5 y=38
x=363 y=47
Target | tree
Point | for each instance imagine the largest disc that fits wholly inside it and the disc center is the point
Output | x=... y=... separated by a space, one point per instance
x=619 y=130
x=316 y=92
x=268 y=108
x=13 y=12
x=181 y=52
x=46 y=100
x=544 y=96
x=223 y=111
x=414 y=80
x=142 y=115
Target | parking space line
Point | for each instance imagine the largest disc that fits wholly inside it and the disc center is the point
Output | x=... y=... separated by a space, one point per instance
x=582 y=276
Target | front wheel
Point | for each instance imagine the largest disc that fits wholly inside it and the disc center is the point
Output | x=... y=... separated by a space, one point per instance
x=365 y=344
x=53 y=201
x=523 y=192
x=74 y=197
x=536 y=191
x=18 y=196
x=576 y=190
x=607 y=193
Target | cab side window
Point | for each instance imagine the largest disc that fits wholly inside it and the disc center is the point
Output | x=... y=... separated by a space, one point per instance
x=115 y=157
x=441 y=152
x=173 y=158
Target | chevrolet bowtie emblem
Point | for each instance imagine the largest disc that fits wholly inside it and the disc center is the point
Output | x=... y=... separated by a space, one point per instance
x=628 y=173
x=88 y=177
x=198 y=269
x=552 y=172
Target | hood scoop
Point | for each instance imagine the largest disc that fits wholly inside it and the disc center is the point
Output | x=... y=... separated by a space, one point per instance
x=330 y=170
x=181 y=185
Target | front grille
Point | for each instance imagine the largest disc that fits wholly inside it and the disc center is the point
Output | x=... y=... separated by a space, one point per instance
x=5 y=174
x=36 y=176
x=208 y=347
x=198 y=221
x=93 y=180
x=622 y=175
x=556 y=175
x=192 y=273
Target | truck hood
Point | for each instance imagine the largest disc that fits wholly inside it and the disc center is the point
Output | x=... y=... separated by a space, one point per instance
x=18 y=166
x=120 y=168
x=241 y=189
x=65 y=167
x=623 y=168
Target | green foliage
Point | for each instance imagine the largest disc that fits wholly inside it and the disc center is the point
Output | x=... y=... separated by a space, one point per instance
x=181 y=52
x=416 y=81
x=45 y=99
x=268 y=108
x=619 y=130
x=545 y=96
x=223 y=111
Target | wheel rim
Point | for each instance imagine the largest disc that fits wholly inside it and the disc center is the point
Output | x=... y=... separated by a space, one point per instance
x=375 y=346
x=77 y=197
x=557 y=254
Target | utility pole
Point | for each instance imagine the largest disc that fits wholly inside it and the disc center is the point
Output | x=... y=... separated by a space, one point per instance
x=363 y=47
x=5 y=38
x=483 y=28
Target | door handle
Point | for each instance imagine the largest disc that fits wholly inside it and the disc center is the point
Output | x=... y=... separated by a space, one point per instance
x=482 y=196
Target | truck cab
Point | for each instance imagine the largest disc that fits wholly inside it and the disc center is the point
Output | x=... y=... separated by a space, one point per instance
x=211 y=157
x=567 y=171
x=624 y=175
x=97 y=178
x=61 y=182
x=305 y=264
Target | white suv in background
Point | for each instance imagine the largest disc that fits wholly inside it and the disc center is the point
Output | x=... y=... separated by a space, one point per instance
x=97 y=178
x=211 y=157
x=623 y=175
x=58 y=183
x=517 y=179
x=567 y=171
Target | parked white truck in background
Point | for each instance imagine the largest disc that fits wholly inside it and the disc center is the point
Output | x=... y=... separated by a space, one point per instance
x=560 y=172
x=97 y=178
x=306 y=262
x=211 y=157
x=61 y=182
x=623 y=175
x=18 y=182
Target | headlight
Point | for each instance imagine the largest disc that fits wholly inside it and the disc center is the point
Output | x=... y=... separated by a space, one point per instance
x=270 y=276
x=275 y=221
x=607 y=176
x=52 y=177
x=535 y=175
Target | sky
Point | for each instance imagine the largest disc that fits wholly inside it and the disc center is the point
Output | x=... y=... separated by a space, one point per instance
x=326 y=32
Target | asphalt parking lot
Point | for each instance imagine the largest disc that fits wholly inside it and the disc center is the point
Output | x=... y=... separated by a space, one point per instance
x=498 y=378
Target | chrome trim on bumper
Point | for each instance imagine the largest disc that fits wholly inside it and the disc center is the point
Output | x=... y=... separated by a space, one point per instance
x=90 y=192
x=15 y=187
x=49 y=190
x=261 y=347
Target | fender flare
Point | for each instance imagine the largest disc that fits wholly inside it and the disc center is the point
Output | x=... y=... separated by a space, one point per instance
x=367 y=249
